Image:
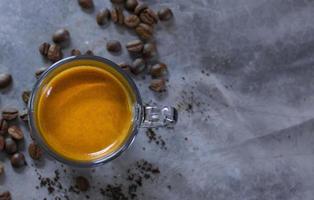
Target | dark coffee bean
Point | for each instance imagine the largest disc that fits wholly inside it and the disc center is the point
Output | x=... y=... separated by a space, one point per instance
x=54 y=53
x=24 y=116
x=43 y=49
x=149 y=50
x=75 y=52
x=1 y=171
x=117 y=1
x=165 y=14
x=113 y=46
x=61 y=35
x=25 y=96
x=10 y=145
x=139 y=8
x=5 y=80
x=10 y=113
x=157 y=85
x=89 y=53
x=120 y=17
x=35 y=152
x=158 y=70
x=15 y=132
x=117 y=16
x=40 y=71
x=124 y=66
x=3 y=126
x=5 y=195
x=102 y=17
x=131 y=21
x=148 y=16
x=135 y=46
x=130 y=5
x=18 y=160
x=86 y=4
x=138 y=66
x=1 y=143
x=144 y=31
x=81 y=183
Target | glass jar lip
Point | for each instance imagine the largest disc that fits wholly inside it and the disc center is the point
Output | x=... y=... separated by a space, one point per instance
x=136 y=121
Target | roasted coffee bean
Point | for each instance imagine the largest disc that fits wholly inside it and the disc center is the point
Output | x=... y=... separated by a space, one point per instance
x=86 y=4
x=144 y=31
x=130 y=5
x=139 y=8
x=1 y=171
x=157 y=85
x=5 y=80
x=102 y=17
x=124 y=66
x=131 y=21
x=135 y=46
x=9 y=113
x=149 y=50
x=75 y=52
x=61 y=35
x=15 y=132
x=81 y=183
x=1 y=143
x=24 y=116
x=117 y=1
x=117 y=16
x=138 y=66
x=54 y=53
x=113 y=46
x=5 y=195
x=148 y=16
x=39 y=72
x=89 y=53
x=10 y=145
x=165 y=14
x=25 y=96
x=3 y=126
x=120 y=16
x=43 y=49
x=18 y=160
x=35 y=152
x=158 y=70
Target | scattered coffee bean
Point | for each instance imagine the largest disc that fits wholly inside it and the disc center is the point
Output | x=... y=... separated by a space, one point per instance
x=130 y=5
x=157 y=85
x=139 y=8
x=117 y=1
x=138 y=66
x=43 y=49
x=165 y=14
x=149 y=50
x=148 y=16
x=24 y=116
x=131 y=21
x=158 y=70
x=10 y=113
x=1 y=172
x=89 y=53
x=120 y=16
x=1 y=143
x=40 y=71
x=86 y=4
x=75 y=52
x=5 y=195
x=18 y=160
x=144 y=31
x=3 y=126
x=5 y=80
x=135 y=46
x=61 y=35
x=102 y=17
x=35 y=152
x=113 y=46
x=25 y=96
x=10 y=145
x=54 y=53
x=124 y=66
x=81 y=183
x=117 y=16
x=15 y=132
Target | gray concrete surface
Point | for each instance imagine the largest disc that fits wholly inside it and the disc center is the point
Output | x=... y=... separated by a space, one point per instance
x=245 y=102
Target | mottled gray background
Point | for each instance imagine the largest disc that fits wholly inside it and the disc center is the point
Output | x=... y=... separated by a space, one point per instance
x=241 y=75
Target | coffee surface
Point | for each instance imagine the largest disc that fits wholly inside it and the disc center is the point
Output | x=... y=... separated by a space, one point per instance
x=84 y=113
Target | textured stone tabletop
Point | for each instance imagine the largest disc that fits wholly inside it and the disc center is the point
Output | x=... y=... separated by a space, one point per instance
x=240 y=73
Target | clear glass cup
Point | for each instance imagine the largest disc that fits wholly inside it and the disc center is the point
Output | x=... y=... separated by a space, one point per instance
x=143 y=116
